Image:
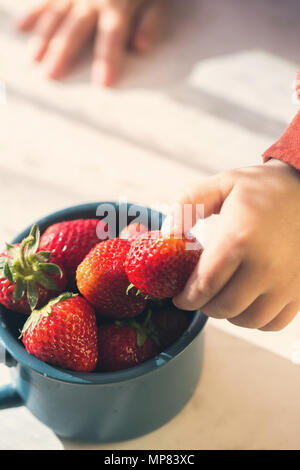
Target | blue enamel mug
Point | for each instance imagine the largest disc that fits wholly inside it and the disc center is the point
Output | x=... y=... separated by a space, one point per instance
x=101 y=407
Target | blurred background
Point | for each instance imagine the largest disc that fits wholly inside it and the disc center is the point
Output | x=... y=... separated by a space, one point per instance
x=213 y=95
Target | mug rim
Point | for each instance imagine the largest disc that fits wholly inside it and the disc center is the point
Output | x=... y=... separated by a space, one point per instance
x=19 y=353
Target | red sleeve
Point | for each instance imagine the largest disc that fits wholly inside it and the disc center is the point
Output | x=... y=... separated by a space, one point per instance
x=287 y=148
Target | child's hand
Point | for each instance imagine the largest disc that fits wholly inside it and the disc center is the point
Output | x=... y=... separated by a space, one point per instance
x=249 y=273
x=62 y=27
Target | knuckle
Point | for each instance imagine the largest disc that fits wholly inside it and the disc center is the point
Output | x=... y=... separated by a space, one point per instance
x=219 y=310
x=207 y=285
x=83 y=12
x=215 y=311
x=121 y=6
x=187 y=195
x=241 y=241
x=58 y=7
x=112 y=27
x=113 y=40
x=59 y=3
x=226 y=177
x=111 y=20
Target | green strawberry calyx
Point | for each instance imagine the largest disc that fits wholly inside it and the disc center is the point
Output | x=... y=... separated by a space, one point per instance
x=26 y=267
x=138 y=291
x=46 y=311
x=143 y=329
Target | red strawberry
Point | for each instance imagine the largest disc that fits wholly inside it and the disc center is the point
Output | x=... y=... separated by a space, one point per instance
x=71 y=241
x=27 y=278
x=102 y=280
x=125 y=344
x=160 y=267
x=63 y=333
x=133 y=231
x=169 y=324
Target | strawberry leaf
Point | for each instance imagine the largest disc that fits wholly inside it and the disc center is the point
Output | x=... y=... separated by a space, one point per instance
x=32 y=320
x=45 y=281
x=19 y=290
x=129 y=288
x=3 y=261
x=32 y=294
x=141 y=337
x=42 y=256
x=33 y=245
x=7 y=272
x=45 y=311
x=51 y=269
x=153 y=334
x=63 y=296
x=12 y=250
x=148 y=318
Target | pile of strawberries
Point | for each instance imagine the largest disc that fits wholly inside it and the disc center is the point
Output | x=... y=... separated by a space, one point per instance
x=97 y=306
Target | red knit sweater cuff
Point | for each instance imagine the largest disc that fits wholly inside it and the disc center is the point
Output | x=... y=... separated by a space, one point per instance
x=287 y=148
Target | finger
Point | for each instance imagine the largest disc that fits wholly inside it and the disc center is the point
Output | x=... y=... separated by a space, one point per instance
x=46 y=27
x=219 y=261
x=237 y=295
x=287 y=314
x=110 y=45
x=148 y=28
x=70 y=38
x=260 y=312
x=201 y=200
x=28 y=20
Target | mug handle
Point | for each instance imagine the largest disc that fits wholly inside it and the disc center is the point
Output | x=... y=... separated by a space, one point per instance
x=9 y=397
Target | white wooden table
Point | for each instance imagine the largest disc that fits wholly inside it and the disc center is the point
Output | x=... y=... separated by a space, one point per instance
x=212 y=96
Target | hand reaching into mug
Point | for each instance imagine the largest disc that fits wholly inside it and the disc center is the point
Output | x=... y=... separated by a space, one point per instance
x=60 y=29
x=249 y=273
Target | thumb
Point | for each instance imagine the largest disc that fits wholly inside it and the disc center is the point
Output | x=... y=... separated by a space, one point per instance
x=196 y=202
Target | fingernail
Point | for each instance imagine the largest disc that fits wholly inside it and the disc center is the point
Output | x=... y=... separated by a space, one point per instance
x=53 y=71
x=20 y=23
x=182 y=304
x=100 y=75
x=178 y=303
x=36 y=47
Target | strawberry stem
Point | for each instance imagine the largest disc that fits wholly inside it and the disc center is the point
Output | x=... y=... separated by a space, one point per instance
x=22 y=252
